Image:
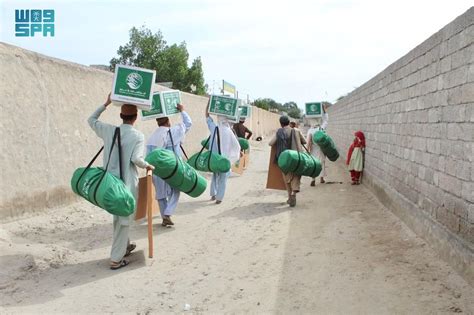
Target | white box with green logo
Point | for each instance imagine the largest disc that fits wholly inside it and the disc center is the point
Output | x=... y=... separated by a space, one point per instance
x=133 y=85
x=223 y=106
x=314 y=109
x=164 y=105
x=245 y=110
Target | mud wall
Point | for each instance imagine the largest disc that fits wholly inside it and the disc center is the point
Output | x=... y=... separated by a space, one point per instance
x=44 y=133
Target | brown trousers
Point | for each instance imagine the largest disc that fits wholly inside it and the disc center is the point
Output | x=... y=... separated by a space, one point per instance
x=292 y=182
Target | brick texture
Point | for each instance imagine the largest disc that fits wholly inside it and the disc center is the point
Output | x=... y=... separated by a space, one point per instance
x=417 y=116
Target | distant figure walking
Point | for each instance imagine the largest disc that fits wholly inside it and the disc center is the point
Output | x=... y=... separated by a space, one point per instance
x=230 y=149
x=241 y=130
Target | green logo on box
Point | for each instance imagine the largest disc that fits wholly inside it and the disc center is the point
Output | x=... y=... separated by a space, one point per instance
x=314 y=109
x=221 y=105
x=156 y=108
x=133 y=83
x=171 y=100
x=244 y=111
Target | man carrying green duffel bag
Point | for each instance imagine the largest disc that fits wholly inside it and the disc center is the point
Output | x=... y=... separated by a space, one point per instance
x=326 y=144
x=170 y=138
x=286 y=139
x=224 y=142
x=124 y=160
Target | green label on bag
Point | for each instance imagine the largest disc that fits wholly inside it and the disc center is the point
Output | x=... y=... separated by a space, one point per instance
x=171 y=100
x=314 y=109
x=133 y=83
x=156 y=108
x=221 y=105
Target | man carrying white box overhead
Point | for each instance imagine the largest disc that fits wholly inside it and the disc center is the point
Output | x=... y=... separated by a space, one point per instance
x=132 y=147
x=170 y=138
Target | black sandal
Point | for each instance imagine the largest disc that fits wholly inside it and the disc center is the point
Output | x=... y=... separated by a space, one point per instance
x=122 y=263
x=130 y=249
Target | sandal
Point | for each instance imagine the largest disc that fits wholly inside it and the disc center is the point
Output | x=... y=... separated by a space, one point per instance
x=130 y=249
x=292 y=201
x=118 y=265
x=167 y=221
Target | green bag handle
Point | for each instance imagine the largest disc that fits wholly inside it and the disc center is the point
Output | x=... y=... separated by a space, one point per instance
x=175 y=156
x=178 y=160
x=116 y=137
x=116 y=134
x=211 y=146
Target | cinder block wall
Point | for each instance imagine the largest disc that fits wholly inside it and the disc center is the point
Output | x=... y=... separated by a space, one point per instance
x=418 y=118
x=44 y=135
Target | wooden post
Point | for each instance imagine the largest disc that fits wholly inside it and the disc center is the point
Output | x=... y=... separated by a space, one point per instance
x=149 y=208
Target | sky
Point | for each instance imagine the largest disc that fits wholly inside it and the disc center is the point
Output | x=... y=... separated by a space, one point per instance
x=295 y=50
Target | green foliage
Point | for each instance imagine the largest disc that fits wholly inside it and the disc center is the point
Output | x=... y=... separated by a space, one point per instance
x=150 y=51
x=269 y=104
x=294 y=113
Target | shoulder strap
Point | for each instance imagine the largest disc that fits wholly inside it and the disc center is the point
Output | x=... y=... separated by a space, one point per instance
x=175 y=156
x=116 y=135
x=184 y=152
x=87 y=167
x=292 y=135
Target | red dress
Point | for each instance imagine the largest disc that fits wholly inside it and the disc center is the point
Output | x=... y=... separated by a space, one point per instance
x=359 y=142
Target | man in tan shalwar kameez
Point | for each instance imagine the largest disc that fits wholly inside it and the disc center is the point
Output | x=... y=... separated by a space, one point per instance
x=287 y=139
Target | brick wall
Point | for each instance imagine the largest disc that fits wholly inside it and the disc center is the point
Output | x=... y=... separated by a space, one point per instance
x=418 y=118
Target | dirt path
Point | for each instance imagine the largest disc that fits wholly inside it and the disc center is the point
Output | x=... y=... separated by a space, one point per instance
x=338 y=251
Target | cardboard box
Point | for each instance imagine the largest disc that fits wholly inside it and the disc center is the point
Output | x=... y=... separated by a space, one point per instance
x=314 y=109
x=133 y=85
x=245 y=110
x=163 y=105
x=275 y=177
x=146 y=198
x=238 y=167
x=223 y=106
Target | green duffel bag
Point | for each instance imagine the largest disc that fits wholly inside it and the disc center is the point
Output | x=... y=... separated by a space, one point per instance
x=176 y=173
x=334 y=157
x=300 y=163
x=103 y=189
x=326 y=144
x=208 y=161
x=244 y=143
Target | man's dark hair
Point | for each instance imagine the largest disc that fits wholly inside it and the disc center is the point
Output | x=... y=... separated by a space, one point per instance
x=284 y=121
x=128 y=117
x=162 y=121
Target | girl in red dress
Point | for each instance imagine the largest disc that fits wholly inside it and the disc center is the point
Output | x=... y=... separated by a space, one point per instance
x=355 y=157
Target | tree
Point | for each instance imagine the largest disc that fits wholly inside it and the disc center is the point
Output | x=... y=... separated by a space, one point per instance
x=142 y=50
x=294 y=112
x=261 y=103
x=149 y=50
x=196 y=77
x=289 y=107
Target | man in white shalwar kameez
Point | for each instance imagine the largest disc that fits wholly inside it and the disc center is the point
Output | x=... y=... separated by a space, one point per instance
x=167 y=196
x=319 y=124
x=230 y=149
x=132 y=147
